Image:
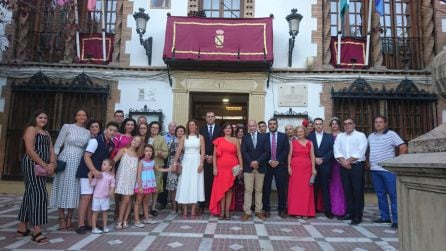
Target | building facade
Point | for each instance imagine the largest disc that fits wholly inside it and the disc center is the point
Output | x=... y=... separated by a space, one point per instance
x=43 y=67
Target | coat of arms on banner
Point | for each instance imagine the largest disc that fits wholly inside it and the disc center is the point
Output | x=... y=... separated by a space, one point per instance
x=219 y=38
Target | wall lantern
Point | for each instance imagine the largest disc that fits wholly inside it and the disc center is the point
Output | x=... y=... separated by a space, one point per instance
x=293 y=21
x=141 y=19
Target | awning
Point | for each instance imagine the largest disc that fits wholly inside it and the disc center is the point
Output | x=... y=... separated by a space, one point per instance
x=219 y=43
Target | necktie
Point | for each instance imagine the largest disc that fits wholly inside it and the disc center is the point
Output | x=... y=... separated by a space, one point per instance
x=254 y=139
x=273 y=147
x=210 y=132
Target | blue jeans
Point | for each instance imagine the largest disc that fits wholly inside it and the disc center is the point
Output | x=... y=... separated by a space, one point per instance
x=384 y=184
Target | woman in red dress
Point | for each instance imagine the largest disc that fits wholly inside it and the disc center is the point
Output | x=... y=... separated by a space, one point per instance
x=226 y=156
x=301 y=166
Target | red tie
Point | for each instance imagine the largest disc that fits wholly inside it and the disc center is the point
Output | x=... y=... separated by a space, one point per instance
x=273 y=147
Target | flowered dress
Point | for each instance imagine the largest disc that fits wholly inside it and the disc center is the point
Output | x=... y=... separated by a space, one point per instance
x=172 y=177
x=148 y=180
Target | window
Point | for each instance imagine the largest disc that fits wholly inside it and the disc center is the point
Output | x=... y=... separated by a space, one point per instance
x=352 y=25
x=222 y=8
x=94 y=23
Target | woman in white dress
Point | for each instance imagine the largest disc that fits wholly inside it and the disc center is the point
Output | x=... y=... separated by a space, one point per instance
x=190 y=189
x=69 y=147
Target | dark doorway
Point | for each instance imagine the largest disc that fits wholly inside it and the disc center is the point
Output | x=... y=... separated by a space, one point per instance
x=235 y=109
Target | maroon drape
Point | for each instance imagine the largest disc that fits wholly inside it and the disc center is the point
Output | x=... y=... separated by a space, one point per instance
x=91 y=48
x=351 y=48
x=219 y=39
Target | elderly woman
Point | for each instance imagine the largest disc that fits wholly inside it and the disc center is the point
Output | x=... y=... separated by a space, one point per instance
x=38 y=151
x=69 y=147
x=159 y=144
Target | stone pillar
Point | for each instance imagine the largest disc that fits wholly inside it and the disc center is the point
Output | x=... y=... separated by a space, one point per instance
x=327 y=34
x=24 y=12
x=118 y=32
x=256 y=106
x=376 y=42
x=421 y=189
x=180 y=106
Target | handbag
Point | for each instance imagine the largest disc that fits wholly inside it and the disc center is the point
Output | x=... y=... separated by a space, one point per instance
x=236 y=170
x=61 y=165
x=40 y=171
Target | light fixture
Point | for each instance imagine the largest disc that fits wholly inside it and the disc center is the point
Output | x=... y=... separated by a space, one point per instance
x=293 y=19
x=225 y=100
x=234 y=108
x=141 y=19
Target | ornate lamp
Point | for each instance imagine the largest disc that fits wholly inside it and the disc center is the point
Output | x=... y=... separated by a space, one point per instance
x=293 y=19
x=141 y=19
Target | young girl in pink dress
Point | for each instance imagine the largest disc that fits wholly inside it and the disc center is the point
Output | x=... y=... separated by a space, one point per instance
x=146 y=184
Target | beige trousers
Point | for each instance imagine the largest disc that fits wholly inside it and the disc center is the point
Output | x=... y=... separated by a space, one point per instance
x=253 y=182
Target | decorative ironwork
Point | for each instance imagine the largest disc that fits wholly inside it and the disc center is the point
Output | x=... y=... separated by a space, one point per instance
x=290 y=112
x=149 y=114
x=360 y=89
x=40 y=82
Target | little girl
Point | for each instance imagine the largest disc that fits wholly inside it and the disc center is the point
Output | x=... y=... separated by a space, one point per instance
x=145 y=184
x=126 y=177
x=103 y=187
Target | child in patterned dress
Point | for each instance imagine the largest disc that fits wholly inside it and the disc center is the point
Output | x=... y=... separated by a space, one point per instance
x=146 y=184
x=103 y=187
x=126 y=177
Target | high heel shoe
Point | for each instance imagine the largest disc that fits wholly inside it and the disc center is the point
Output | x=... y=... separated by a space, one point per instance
x=222 y=215
x=228 y=216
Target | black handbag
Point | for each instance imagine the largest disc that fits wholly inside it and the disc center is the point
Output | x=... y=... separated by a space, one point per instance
x=61 y=165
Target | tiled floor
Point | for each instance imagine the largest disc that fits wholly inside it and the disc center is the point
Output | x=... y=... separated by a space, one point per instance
x=172 y=232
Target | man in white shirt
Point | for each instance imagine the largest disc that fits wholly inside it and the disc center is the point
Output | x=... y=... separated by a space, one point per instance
x=349 y=150
x=382 y=144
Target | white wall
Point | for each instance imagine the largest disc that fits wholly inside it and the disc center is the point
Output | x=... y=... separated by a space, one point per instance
x=313 y=108
x=303 y=47
x=156 y=28
x=158 y=95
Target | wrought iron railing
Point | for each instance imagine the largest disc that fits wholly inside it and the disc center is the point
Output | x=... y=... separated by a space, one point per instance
x=402 y=53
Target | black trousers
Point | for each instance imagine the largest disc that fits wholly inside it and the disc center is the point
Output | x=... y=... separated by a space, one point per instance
x=208 y=181
x=162 y=197
x=280 y=174
x=353 y=183
x=322 y=183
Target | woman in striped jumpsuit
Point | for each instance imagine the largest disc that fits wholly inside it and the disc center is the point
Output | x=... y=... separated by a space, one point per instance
x=39 y=150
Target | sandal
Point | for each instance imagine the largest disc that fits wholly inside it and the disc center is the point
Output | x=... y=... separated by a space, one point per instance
x=222 y=215
x=21 y=234
x=228 y=216
x=39 y=241
x=125 y=225
x=119 y=226
x=62 y=224
x=68 y=225
x=185 y=216
x=192 y=216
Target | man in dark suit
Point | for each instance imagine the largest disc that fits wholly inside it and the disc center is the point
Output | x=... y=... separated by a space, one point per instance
x=277 y=167
x=255 y=152
x=210 y=132
x=323 y=152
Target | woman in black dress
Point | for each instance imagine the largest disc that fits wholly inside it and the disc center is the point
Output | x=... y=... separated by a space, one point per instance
x=38 y=151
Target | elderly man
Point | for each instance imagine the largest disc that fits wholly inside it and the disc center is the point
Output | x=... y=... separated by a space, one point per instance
x=169 y=137
x=382 y=144
x=349 y=150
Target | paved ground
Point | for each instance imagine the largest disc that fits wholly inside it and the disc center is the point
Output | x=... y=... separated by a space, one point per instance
x=208 y=233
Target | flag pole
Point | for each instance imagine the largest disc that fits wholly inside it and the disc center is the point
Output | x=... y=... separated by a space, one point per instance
x=103 y=32
x=338 y=55
x=369 y=24
x=76 y=21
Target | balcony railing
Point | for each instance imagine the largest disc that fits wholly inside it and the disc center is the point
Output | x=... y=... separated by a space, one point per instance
x=402 y=52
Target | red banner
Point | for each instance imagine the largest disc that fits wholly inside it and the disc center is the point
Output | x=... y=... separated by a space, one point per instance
x=219 y=39
x=91 y=48
x=352 y=52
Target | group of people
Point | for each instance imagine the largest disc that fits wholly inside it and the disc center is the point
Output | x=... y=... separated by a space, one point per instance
x=222 y=168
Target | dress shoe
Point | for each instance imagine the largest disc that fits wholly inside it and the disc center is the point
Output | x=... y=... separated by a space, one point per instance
x=162 y=206
x=154 y=212
x=381 y=221
x=329 y=215
x=355 y=222
x=394 y=225
x=246 y=217
x=260 y=216
x=283 y=214
x=345 y=217
x=267 y=214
